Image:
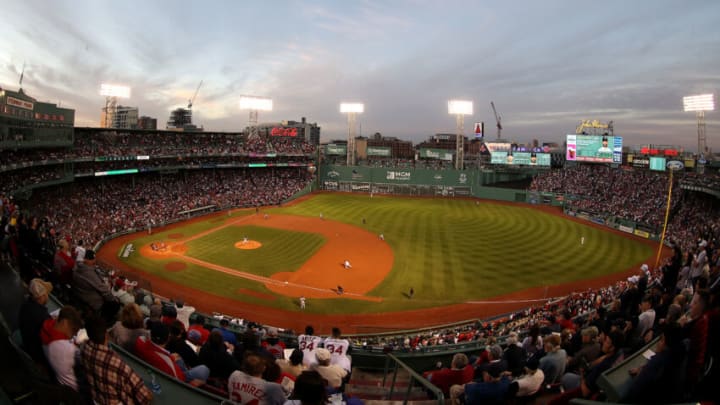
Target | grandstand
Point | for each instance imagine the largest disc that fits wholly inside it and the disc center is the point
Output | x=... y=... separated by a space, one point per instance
x=98 y=184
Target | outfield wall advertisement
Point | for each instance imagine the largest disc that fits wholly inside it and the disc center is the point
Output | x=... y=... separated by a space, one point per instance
x=431 y=153
x=520 y=158
x=383 y=151
x=594 y=148
x=333 y=149
x=396 y=180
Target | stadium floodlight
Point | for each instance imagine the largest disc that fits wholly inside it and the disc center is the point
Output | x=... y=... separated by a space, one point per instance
x=459 y=108
x=352 y=110
x=702 y=102
x=352 y=107
x=112 y=92
x=699 y=104
x=255 y=104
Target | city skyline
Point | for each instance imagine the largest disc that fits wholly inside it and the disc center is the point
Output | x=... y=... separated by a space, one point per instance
x=545 y=65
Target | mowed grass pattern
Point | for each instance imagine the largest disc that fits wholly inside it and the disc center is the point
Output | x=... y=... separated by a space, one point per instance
x=281 y=250
x=457 y=250
x=448 y=250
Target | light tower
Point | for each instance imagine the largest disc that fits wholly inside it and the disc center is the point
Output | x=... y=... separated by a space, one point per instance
x=254 y=105
x=460 y=109
x=352 y=110
x=700 y=104
x=112 y=92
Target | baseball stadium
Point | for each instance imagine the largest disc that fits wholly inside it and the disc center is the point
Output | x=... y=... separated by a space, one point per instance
x=271 y=265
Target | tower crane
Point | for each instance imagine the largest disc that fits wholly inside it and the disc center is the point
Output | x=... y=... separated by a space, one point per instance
x=190 y=102
x=498 y=120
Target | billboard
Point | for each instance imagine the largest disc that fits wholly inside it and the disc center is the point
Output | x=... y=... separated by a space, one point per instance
x=479 y=130
x=594 y=148
x=333 y=149
x=378 y=151
x=520 y=158
x=657 y=163
x=431 y=153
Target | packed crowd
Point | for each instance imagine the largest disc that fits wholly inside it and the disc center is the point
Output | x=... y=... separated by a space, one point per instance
x=73 y=345
x=92 y=209
x=635 y=195
x=110 y=143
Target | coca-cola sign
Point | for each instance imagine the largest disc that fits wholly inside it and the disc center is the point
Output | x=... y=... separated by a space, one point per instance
x=279 y=131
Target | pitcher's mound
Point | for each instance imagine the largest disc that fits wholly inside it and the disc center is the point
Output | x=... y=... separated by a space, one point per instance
x=248 y=245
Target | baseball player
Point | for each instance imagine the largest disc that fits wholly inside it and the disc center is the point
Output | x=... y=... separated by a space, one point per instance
x=302 y=302
x=347 y=264
x=338 y=348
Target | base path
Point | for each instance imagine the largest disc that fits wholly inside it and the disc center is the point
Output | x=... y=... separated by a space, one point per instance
x=207 y=302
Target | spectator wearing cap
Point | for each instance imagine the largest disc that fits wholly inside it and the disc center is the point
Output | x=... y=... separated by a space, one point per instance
x=228 y=335
x=183 y=312
x=33 y=312
x=492 y=389
x=121 y=290
x=128 y=328
x=332 y=373
x=460 y=372
x=154 y=352
x=197 y=334
x=88 y=286
x=273 y=344
x=589 y=351
x=111 y=380
x=59 y=349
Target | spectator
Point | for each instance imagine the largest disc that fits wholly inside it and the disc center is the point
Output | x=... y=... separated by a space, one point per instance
x=33 y=313
x=183 y=312
x=333 y=373
x=294 y=365
x=589 y=351
x=59 y=349
x=154 y=352
x=492 y=389
x=309 y=390
x=228 y=335
x=197 y=334
x=89 y=287
x=110 y=379
x=214 y=354
x=460 y=372
x=514 y=355
x=64 y=263
x=176 y=344
x=273 y=344
x=554 y=361
x=128 y=328
x=247 y=386
x=530 y=382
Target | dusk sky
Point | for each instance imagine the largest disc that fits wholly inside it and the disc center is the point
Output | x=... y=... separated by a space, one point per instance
x=546 y=64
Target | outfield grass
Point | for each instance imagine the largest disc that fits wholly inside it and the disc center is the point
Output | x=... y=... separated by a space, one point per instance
x=448 y=250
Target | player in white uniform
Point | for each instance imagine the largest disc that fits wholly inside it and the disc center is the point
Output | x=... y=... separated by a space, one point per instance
x=248 y=387
x=347 y=264
x=308 y=344
x=338 y=348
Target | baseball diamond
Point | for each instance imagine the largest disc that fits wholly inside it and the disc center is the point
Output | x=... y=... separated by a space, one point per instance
x=463 y=259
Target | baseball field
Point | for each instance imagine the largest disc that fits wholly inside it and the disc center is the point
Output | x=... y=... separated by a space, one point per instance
x=462 y=258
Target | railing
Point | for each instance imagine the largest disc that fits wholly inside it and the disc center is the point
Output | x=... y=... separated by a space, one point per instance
x=413 y=377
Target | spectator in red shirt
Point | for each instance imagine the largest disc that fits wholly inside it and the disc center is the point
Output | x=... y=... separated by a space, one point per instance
x=460 y=372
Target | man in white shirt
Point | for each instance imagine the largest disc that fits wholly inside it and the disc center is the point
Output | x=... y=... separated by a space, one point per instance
x=646 y=319
x=531 y=381
x=338 y=348
x=56 y=336
x=308 y=343
x=80 y=252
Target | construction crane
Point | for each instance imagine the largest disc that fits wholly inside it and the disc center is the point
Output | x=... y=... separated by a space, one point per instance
x=190 y=102
x=498 y=120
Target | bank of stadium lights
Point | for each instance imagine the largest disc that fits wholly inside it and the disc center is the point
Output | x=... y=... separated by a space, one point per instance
x=699 y=104
x=112 y=92
x=459 y=108
x=352 y=110
x=254 y=105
